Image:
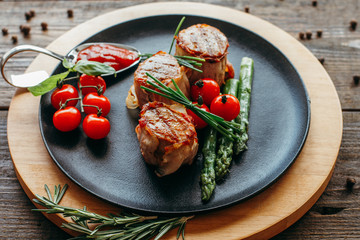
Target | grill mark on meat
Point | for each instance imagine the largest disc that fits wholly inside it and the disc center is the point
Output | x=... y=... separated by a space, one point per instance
x=163 y=67
x=204 y=41
x=194 y=41
x=164 y=124
x=167 y=138
x=209 y=43
x=206 y=48
x=218 y=40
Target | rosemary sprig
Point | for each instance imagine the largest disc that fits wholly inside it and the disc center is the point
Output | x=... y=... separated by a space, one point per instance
x=213 y=120
x=190 y=63
x=176 y=33
x=120 y=226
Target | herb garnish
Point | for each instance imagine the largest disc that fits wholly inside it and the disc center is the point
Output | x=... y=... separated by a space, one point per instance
x=176 y=33
x=118 y=226
x=87 y=67
x=213 y=120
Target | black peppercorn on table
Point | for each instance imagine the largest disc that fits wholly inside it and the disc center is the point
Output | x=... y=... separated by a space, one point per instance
x=337 y=47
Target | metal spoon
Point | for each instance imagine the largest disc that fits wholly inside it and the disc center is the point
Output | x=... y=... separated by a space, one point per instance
x=32 y=79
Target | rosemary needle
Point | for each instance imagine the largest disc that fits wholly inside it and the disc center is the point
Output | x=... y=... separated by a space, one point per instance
x=121 y=226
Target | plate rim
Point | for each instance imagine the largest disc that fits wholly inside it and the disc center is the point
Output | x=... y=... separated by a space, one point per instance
x=23 y=103
x=294 y=154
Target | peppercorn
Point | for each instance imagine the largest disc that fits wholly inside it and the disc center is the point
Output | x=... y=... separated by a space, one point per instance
x=350 y=182
x=319 y=33
x=14 y=39
x=314 y=3
x=5 y=31
x=308 y=35
x=26 y=29
x=247 y=9
x=353 y=24
x=356 y=79
x=321 y=60
x=44 y=26
x=302 y=35
x=70 y=13
x=27 y=16
x=32 y=13
x=21 y=27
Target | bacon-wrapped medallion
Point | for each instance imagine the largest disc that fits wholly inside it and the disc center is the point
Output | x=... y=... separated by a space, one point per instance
x=209 y=43
x=164 y=67
x=167 y=137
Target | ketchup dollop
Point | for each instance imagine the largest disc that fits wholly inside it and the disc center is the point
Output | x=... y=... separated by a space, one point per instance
x=116 y=57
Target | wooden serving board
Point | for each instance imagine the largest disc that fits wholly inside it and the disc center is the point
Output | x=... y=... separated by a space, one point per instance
x=260 y=217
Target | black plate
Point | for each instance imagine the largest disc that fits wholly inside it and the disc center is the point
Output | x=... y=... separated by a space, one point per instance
x=113 y=168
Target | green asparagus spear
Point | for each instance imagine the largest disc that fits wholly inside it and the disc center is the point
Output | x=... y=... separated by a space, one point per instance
x=207 y=176
x=231 y=87
x=225 y=151
x=244 y=92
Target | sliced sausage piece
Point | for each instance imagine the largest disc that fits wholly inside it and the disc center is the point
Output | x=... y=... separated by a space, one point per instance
x=167 y=138
x=209 y=43
x=163 y=67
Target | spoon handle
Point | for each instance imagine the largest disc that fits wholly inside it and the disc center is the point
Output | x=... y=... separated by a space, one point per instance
x=23 y=48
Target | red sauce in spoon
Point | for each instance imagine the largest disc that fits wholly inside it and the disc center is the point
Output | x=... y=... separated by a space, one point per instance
x=116 y=57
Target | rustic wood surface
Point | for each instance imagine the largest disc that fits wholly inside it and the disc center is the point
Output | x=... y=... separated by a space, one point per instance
x=333 y=216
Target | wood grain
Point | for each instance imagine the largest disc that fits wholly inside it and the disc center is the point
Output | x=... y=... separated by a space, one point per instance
x=336 y=207
x=263 y=216
x=336 y=213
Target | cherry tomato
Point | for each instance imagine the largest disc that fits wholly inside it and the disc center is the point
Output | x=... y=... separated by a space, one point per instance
x=96 y=127
x=226 y=106
x=98 y=100
x=67 y=119
x=60 y=95
x=198 y=122
x=207 y=88
x=97 y=81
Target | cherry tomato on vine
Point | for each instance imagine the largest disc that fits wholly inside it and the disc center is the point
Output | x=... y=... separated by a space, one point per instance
x=60 y=95
x=96 y=127
x=207 y=88
x=67 y=119
x=86 y=81
x=198 y=122
x=97 y=100
x=226 y=106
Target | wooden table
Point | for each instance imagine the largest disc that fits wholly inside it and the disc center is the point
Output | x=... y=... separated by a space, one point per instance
x=336 y=212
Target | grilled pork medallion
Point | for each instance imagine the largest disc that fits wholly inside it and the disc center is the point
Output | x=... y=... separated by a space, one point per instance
x=167 y=137
x=204 y=41
x=164 y=67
